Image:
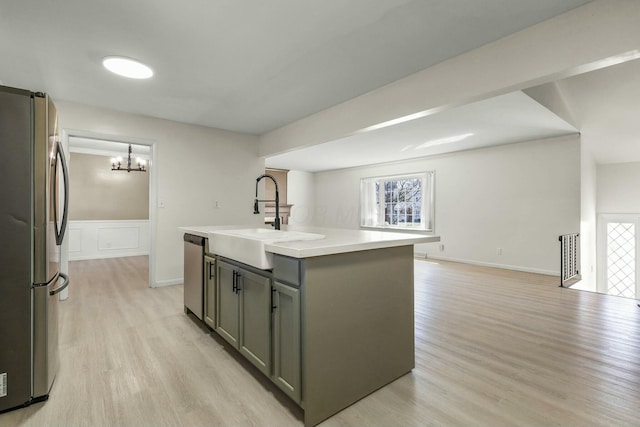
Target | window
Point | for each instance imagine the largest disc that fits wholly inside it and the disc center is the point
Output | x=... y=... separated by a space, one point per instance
x=404 y=202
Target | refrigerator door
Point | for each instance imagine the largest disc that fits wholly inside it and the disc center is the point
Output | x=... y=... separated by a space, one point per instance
x=50 y=199
x=49 y=166
x=16 y=253
x=45 y=336
x=45 y=256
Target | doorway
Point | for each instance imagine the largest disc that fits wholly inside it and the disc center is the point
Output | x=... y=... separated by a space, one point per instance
x=117 y=237
x=618 y=238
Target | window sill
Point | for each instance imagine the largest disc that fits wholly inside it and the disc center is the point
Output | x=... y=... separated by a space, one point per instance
x=400 y=230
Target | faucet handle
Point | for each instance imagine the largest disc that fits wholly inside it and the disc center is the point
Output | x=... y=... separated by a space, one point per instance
x=256 y=210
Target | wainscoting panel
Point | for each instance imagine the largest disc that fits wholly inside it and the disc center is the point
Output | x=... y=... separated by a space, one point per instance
x=108 y=239
x=118 y=237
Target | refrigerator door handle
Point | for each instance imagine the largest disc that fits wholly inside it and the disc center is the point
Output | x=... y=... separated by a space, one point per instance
x=61 y=287
x=65 y=177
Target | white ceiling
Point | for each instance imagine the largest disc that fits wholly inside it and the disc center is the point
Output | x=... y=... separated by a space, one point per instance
x=253 y=66
x=248 y=66
x=602 y=106
x=510 y=118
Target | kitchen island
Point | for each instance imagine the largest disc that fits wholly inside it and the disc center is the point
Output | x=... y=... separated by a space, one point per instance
x=330 y=322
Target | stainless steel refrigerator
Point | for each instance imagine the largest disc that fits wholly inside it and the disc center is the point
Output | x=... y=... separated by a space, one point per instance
x=33 y=220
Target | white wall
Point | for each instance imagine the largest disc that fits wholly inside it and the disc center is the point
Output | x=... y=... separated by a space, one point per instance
x=195 y=167
x=517 y=197
x=301 y=194
x=588 y=222
x=619 y=188
x=618 y=193
x=598 y=34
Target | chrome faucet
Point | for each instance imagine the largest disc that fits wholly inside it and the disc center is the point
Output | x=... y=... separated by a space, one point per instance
x=277 y=200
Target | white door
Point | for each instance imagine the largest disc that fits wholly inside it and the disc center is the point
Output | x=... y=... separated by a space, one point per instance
x=618 y=238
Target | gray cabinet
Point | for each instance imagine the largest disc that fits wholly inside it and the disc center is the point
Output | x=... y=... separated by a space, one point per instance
x=286 y=339
x=244 y=312
x=228 y=320
x=327 y=330
x=255 y=319
x=210 y=291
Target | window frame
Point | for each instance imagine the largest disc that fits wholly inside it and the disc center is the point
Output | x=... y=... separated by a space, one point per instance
x=371 y=201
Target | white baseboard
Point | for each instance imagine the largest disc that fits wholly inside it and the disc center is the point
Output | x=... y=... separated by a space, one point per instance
x=489 y=264
x=170 y=282
x=103 y=255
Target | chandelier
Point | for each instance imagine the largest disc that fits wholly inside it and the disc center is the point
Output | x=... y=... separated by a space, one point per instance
x=116 y=164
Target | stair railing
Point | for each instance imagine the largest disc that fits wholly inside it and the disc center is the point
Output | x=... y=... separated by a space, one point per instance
x=569 y=258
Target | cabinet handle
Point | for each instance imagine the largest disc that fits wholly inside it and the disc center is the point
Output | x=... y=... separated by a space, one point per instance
x=273 y=306
x=235 y=280
x=238 y=277
x=210 y=275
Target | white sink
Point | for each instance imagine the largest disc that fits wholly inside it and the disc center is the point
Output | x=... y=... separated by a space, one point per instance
x=247 y=245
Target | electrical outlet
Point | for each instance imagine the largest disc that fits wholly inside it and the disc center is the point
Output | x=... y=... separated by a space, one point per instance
x=442 y=247
x=161 y=203
x=499 y=251
x=216 y=204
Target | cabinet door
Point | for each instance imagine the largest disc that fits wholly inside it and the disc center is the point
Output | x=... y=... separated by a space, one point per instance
x=286 y=339
x=210 y=291
x=255 y=319
x=227 y=324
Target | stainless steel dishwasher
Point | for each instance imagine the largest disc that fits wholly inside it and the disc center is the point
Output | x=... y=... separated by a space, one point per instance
x=193 y=274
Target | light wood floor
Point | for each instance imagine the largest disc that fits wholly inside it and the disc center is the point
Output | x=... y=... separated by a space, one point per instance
x=493 y=348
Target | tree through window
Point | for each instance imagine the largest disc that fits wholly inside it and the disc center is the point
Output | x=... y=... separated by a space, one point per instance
x=397 y=201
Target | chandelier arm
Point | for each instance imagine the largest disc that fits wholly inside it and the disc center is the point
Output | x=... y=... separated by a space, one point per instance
x=118 y=167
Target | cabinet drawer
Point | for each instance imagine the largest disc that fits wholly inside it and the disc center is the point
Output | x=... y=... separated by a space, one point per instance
x=286 y=269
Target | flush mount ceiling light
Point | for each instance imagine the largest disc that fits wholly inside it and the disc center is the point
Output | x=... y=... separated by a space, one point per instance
x=127 y=67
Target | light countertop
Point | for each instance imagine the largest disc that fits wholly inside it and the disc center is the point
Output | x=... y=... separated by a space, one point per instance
x=336 y=240
x=204 y=230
